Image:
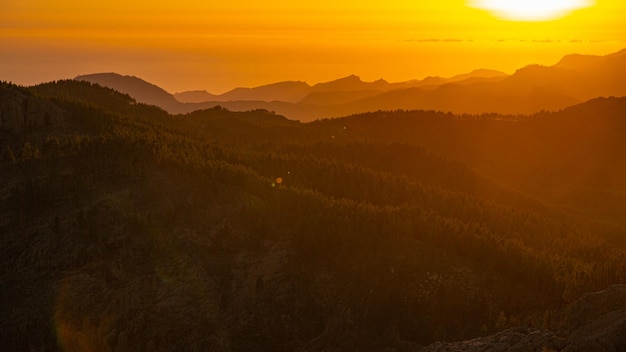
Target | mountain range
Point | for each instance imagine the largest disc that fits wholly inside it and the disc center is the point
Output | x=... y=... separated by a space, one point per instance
x=574 y=79
x=127 y=228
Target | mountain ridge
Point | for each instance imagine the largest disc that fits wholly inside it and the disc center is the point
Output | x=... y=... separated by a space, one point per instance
x=532 y=88
x=139 y=89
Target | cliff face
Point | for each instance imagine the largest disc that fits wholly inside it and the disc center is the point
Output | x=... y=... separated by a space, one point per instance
x=594 y=323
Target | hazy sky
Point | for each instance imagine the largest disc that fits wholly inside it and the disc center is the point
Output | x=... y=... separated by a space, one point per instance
x=182 y=45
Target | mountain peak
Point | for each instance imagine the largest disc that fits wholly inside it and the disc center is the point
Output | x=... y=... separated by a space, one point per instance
x=194 y=96
x=577 y=61
x=484 y=72
x=289 y=91
x=112 y=76
x=618 y=54
x=532 y=70
x=352 y=78
x=140 y=90
x=111 y=79
x=350 y=83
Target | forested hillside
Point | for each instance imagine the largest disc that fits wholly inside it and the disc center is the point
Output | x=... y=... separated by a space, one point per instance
x=125 y=228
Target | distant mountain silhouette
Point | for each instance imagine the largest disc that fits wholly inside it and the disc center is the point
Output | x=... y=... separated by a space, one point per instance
x=479 y=75
x=581 y=62
x=350 y=88
x=296 y=100
x=195 y=96
x=137 y=88
x=577 y=61
x=290 y=91
x=338 y=97
x=350 y=83
x=574 y=79
x=581 y=76
x=530 y=89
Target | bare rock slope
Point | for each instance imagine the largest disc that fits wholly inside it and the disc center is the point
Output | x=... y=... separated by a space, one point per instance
x=594 y=323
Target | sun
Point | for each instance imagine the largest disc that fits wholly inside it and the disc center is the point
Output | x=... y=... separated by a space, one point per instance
x=530 y=10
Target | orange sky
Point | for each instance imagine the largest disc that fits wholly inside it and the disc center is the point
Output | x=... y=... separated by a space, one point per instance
x=184 y=44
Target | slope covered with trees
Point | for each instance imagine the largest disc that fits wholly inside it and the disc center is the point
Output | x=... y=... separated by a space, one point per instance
x=125 y=228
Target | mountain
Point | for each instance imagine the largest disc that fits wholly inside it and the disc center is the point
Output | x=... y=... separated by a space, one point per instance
x=581 y=76
x=577 y=61
x=350 y=83
x=126 y=228
x=530 y=89
x=195 y=96
x=294 y=99
x=292 y=91
x=572 y=80
x=352 y=90
x=540 y=151
x=343 y=90
x=21 y=111
x=581 y=62
x=137 y=88
x=148 y=93
x=337 y=97
x=283 y=91
x=477 y=74
x=591 y=77
x=475 y=98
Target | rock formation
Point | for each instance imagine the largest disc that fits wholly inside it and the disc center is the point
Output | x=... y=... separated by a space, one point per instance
x=594 y=323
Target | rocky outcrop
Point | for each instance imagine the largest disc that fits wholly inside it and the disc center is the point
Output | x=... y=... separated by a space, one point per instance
x=597 y=322
x=594 y=323
x=511 y=340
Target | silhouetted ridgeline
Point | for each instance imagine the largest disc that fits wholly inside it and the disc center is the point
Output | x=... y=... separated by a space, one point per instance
x=531 y=89
x=125 y=228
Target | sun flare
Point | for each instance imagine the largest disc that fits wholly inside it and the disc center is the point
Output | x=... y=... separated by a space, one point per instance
x=530 y=10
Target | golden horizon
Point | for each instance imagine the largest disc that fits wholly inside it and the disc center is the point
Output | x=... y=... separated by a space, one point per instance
x=192 y=45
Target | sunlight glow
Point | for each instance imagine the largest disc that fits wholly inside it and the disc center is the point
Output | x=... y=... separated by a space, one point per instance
x=218 y=46
x=530 y=10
